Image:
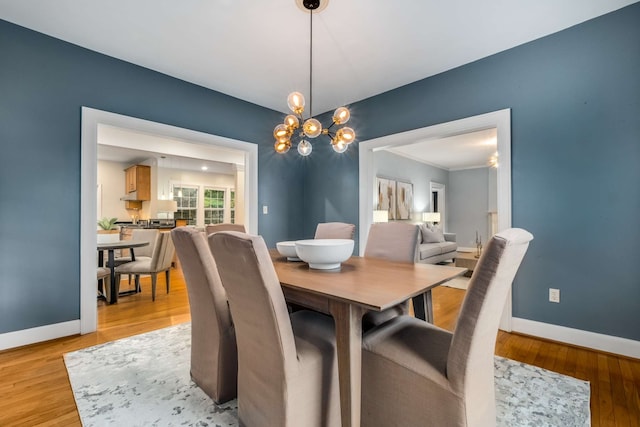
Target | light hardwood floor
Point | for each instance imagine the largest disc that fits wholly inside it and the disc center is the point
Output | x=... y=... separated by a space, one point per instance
x=35 y=390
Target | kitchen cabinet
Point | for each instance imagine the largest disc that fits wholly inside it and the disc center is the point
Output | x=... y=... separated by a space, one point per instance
x=137 y=182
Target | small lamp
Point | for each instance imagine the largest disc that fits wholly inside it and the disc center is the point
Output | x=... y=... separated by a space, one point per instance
x=380 y=216
x=432 y=217
x=166 y=206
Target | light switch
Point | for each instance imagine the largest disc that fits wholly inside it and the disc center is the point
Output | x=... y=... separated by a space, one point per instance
x=265 y=209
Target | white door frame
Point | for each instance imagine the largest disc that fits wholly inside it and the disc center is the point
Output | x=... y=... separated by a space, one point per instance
x=501 y=120
x=188 y=143
x=442 y=204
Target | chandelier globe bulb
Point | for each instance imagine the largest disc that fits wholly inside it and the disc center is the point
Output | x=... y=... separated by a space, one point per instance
x=291 y=122
x=295 y=101
x=312 y=128
x=341 y=115
x=282 y=147
x=304 y=148
x=346 y=134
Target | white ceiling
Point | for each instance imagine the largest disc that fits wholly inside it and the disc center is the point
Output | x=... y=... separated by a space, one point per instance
x=466 y=151
x=258 y=50
x=114 y=145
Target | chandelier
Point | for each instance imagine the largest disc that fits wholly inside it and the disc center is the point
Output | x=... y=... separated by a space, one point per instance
x=291 y=130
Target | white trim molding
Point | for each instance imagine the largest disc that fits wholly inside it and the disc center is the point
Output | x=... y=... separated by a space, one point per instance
x=563 y=334
x=38 y=334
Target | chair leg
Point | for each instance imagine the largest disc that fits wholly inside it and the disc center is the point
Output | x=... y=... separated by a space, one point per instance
x=167 y=279
x=137 y=281
x=154 y=278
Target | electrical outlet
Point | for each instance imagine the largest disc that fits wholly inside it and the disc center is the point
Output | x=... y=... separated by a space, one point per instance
x=265 y=210
x=554 y=295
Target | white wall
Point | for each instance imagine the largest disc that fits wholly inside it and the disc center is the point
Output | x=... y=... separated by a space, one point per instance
x=392 y=166
x=110 y=189
x=469 y=198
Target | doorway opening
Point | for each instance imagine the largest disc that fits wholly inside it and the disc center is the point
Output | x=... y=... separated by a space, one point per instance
x=500 y=120
x=184 y=142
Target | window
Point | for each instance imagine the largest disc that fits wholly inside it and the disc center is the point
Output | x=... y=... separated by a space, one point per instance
x=187 y=198
x=213 y=206
x=232 y=205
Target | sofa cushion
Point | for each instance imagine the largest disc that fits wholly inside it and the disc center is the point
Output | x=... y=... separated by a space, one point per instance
x=429 y=249
x=431 y=235
x=448 y=247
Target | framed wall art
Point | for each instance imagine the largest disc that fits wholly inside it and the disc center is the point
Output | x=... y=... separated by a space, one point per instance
x=386 y=196
x=404 y=200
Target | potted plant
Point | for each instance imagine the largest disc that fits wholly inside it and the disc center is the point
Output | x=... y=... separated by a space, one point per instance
x=108 y=231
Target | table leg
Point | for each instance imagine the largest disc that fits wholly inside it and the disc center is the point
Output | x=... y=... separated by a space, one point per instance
x=112 y=267
x=423 y=306
x=348 y=321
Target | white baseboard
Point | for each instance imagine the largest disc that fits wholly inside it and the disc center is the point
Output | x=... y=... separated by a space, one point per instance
x=608 y=343
x=41 y=333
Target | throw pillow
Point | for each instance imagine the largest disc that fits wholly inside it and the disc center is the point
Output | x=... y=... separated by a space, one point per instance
x=431 y=235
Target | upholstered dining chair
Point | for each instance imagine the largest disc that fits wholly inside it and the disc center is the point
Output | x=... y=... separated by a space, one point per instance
x=335 y=230
x=287 y=367
x=159 y=262
x=214 y=356
x=214 y=228
x=104 y=277
x=392 y=241
x=414 y=373
x=142 y=253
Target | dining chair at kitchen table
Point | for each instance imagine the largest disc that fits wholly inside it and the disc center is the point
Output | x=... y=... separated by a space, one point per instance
x=414 y=373
x=159 y=262
x=142 y=253
x=391 y=241
x=214 y=228
x=287 y=365
x=104 y=278
x=335 y=230
x=214 y=355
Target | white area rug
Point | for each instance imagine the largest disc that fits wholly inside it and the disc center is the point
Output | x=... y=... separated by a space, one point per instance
x=144 y=381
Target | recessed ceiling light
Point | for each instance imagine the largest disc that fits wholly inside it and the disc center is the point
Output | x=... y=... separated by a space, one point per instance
x=204 y=168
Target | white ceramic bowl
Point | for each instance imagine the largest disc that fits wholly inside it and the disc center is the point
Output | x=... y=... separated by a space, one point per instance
x=288 y=249
x=324 y=254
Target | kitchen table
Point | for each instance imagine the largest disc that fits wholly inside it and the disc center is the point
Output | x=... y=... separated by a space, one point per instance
x=110 y=248
x=359 y=285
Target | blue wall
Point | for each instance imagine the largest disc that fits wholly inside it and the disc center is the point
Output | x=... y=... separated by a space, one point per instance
x=575 y=100
x=43 y=84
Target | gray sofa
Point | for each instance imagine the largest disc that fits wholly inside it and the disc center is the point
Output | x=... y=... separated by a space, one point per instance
x=434 y=246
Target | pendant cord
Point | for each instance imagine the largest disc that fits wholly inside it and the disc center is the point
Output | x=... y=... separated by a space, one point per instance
x=311 y=63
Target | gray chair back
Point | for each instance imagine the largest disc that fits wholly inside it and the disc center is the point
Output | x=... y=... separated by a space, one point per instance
x=214 y=228
x=335 y=230
x=393 y=241
x=145 y=235
x=214 y=356
x=163 y=252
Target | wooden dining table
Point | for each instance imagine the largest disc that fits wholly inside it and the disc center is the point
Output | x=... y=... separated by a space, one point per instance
x=359 y=285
